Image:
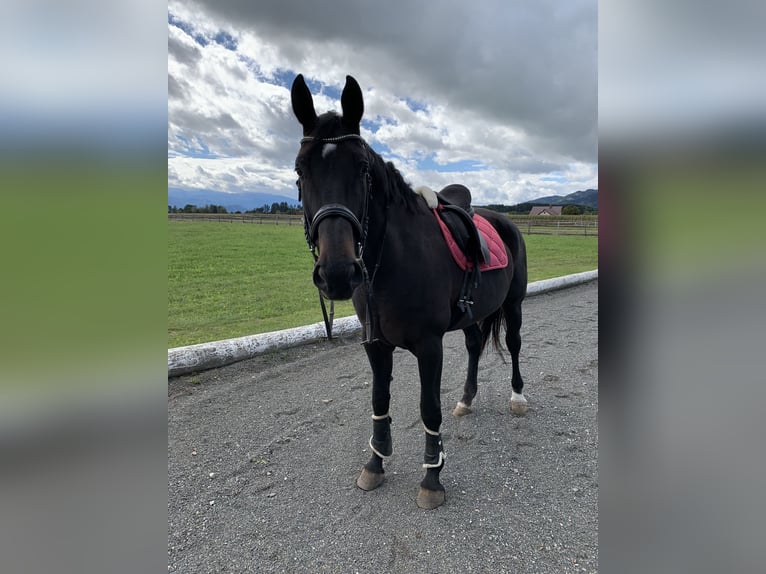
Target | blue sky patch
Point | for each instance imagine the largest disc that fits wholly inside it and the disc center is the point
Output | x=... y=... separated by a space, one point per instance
x=226 y=40
x=188 y=29
x=555 y=177
x=284 y=78
x=251 y=64
x=314 y=86
x=196 y=149
x=415 y=105
x=371 y=125
x=221 y=38
x=330 y=91
x=382 y=149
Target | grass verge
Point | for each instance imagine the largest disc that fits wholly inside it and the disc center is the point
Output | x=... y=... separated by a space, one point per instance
x=229 y=280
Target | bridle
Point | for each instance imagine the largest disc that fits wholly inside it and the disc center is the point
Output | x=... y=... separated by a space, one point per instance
x=311 y=231
x=311 y=226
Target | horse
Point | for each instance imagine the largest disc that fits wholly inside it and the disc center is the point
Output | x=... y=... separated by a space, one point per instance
x=379 y=243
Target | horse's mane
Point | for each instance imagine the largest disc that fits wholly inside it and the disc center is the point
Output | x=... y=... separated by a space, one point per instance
x=397 y=189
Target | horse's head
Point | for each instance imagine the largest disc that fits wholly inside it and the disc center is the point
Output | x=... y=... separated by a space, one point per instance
x=334 y=185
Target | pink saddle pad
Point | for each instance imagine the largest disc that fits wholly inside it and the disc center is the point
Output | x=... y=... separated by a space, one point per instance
x=498 y=258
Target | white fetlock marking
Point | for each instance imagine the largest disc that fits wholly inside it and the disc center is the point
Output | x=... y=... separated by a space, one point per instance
x=379 y=417
x=442 y=456
x=462 y=405
x=429 y=195
x=432 y=433
x=517 y=397
x=376 y=450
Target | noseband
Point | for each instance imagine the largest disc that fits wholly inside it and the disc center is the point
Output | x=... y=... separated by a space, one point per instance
x=332 y=210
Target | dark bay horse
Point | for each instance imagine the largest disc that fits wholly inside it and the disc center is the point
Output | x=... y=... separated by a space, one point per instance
x=379 y=243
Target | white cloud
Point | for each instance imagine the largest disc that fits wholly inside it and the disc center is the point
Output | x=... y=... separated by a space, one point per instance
x=230 y=174
x=461 y=90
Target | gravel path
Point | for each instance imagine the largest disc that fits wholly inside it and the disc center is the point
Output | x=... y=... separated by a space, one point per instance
x=263 y=455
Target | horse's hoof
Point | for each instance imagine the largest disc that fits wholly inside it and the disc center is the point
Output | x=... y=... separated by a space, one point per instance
x=519 y=407
x=430 y=499
x=461 y=409
x=369 y=480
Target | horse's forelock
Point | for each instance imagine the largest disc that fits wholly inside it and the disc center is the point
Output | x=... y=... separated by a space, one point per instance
x=328 y=125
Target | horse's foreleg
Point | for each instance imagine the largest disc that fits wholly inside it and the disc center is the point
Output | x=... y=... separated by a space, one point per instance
x=473 y=346
x=381 y=361
x=513 y=341
x=430 y=355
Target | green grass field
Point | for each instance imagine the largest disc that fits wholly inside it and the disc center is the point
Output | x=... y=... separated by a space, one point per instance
x=229 y=280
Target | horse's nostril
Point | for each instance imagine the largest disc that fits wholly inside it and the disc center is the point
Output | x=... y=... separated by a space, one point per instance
x=338 y=280
x=320 y=281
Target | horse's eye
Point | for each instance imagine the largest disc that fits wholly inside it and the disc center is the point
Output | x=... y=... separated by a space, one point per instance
x=299 y=171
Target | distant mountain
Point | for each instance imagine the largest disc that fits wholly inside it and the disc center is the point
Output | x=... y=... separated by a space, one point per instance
x=587 y=197
x=231 y=201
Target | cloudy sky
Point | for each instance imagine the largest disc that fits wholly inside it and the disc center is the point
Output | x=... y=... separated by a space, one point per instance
x=498 y=95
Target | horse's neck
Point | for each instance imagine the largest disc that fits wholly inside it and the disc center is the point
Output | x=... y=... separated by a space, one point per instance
x=394 y=219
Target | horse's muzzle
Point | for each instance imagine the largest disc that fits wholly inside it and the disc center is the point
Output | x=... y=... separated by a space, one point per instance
x=338 y=280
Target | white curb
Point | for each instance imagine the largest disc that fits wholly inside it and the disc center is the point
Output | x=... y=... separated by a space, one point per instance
x=555 y=283
x=191 y=358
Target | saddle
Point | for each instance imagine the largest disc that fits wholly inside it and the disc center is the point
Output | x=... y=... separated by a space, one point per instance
x=457 y=214
x=455 y=211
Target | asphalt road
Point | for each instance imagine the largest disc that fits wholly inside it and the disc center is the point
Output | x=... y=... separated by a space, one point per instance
x=263 y=455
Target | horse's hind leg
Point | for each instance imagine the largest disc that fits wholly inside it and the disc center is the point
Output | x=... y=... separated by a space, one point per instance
x=512 y=309
x=473 y=346
x=381 y=361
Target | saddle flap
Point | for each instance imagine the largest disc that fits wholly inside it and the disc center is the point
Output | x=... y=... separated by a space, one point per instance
x=465 y=233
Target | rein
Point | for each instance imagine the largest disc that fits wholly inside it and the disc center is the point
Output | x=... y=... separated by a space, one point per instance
x=311 y=231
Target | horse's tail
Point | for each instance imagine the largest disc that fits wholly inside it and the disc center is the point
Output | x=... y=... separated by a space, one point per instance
x=490 y=328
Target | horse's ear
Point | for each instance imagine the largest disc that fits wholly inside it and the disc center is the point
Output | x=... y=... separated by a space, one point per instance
x=303 y=104
x=353 y=105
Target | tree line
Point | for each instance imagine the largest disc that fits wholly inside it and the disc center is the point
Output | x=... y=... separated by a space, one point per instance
x=274 y=208
x=525 y=208
x=189 y=208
